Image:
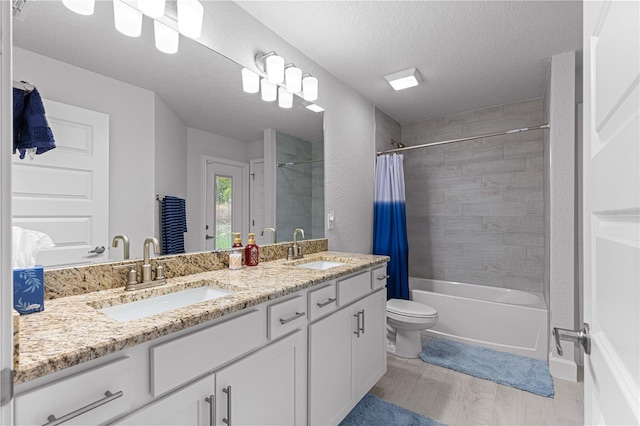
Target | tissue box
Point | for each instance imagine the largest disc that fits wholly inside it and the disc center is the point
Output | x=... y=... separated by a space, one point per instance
x=28 y=290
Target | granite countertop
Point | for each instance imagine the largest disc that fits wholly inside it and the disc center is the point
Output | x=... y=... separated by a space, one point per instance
x=71 y=330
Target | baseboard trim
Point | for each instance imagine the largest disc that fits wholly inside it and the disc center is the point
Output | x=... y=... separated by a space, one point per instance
x=563 y=368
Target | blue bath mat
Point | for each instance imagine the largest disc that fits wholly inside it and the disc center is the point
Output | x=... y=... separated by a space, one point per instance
x=373 y=411
x=517 y=371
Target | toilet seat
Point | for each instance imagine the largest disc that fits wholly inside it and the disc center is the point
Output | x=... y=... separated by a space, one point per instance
x=409 y=308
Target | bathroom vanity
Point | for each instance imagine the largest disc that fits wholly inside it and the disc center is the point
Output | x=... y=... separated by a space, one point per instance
x=289 y=342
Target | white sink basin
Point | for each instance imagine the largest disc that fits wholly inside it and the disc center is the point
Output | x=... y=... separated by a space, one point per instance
x=321 y=265
x=168 y=302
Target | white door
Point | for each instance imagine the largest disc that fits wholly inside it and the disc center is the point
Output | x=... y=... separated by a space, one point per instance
x=612 y=211
x=256 y=204
x=65 y=192
x=227 y=203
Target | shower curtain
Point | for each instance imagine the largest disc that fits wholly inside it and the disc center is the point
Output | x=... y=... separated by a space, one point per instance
x=390 y=224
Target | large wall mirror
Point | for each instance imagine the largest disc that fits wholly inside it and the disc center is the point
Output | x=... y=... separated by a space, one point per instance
x=173 y=125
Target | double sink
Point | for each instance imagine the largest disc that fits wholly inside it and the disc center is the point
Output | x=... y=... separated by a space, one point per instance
x=154 y=305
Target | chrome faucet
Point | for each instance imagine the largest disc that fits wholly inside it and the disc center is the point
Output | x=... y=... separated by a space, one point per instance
x=146 y=264
x=295 y=251
x=125 y=240
x=272 y=230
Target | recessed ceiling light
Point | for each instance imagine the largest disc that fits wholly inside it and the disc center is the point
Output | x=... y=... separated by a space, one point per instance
x=404 y=79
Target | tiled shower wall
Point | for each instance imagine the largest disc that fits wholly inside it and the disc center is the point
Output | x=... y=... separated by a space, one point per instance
x=299 y=188
x=475 y=209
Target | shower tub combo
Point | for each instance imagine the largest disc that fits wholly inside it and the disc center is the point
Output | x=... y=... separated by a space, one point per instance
x=497 y=318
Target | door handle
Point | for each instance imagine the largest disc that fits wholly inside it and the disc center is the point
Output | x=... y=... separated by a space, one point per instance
x=97 y=250
x=209 y=237
x=576 y=336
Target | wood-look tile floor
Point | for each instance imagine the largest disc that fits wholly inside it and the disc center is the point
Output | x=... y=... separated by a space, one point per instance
x=454 y=398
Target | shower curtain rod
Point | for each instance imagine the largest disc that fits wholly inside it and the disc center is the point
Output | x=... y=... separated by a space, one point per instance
x=298 y=162
x=470 y=138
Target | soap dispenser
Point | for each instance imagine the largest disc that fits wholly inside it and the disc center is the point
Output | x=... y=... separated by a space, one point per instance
x=237 y=242
x=251 y=254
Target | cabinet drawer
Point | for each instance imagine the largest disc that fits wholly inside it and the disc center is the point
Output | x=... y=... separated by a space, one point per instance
x=182 y=359
x=84 y=393
x=322 y=301
x=354 y=287
x=286 y=316
x=379 y=277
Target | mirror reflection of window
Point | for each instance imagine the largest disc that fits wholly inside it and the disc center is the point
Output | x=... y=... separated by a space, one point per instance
x=223 y=211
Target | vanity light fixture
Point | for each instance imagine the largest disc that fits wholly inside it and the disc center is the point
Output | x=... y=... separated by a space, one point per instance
x=293 y=78
x=279 y=81
x=268 y=90
x=250 y=81
x=309 y=87
x=285 y=98
x=128 y=20
x=152 y=8
x=190 y=16
x=81 y=7
x=167 y=39
x=404 y=79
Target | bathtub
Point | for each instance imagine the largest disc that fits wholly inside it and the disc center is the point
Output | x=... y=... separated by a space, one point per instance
x=497 y=318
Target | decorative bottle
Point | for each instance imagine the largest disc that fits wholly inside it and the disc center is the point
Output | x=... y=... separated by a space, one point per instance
x=251 y=253
x=237 y=242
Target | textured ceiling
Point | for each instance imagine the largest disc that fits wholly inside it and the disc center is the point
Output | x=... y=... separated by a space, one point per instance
x=471 y=54
x=201 y=86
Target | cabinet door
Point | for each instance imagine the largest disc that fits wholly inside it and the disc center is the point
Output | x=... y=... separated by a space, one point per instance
x=331 y=378
x=186 y=407
x=371 y=354
x=267 y=387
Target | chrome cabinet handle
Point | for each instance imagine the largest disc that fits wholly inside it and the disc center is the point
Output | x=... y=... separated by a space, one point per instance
x=357 y=332
x=362 y=329
x=383 y=278
x=97 y=250
x=227 y=390
x=211 y=399
x=296 y=316
x=108 y=398
x=328 y=302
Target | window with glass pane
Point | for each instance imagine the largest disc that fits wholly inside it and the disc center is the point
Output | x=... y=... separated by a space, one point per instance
x=223 y=219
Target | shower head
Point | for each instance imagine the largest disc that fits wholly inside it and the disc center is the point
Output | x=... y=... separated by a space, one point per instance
x=398 y=144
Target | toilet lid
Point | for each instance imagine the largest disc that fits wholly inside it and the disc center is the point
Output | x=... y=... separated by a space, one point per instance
x=410 y=308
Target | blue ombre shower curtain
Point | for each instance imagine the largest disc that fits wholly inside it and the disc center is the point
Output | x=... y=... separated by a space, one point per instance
x=390 y=224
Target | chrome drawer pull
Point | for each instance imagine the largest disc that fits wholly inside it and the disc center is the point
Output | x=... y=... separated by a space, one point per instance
x=383 y=278
x=295 y=317
x=328 y=302
x=357 y=332
x=108 y=398
x=227 y=390
x=212 y=409
x=362 y=329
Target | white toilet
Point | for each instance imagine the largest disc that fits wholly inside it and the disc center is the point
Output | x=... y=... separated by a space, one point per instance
x=406 y=319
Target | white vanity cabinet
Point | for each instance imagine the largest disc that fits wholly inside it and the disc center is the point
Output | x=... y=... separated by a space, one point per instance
x=347 y=353
x=93 y=396
x=192 y=405
x=267 y=387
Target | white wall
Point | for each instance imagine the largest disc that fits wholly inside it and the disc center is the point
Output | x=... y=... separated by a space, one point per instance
x=348 y=122
x=171 y=155
x=201 y=143
x=131 y=131
x=562 y=156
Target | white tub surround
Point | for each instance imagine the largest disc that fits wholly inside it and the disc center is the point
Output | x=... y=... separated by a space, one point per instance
x=506 y=320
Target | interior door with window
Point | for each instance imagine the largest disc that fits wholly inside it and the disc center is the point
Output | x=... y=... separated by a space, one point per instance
x=227 y=203
x=611 y=163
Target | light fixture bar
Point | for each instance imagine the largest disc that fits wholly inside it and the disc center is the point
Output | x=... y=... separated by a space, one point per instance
x=404 y=79
x=128 y=20
x=250 y=81
x=167 y=39
x=190 y=17
x=309 y=88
